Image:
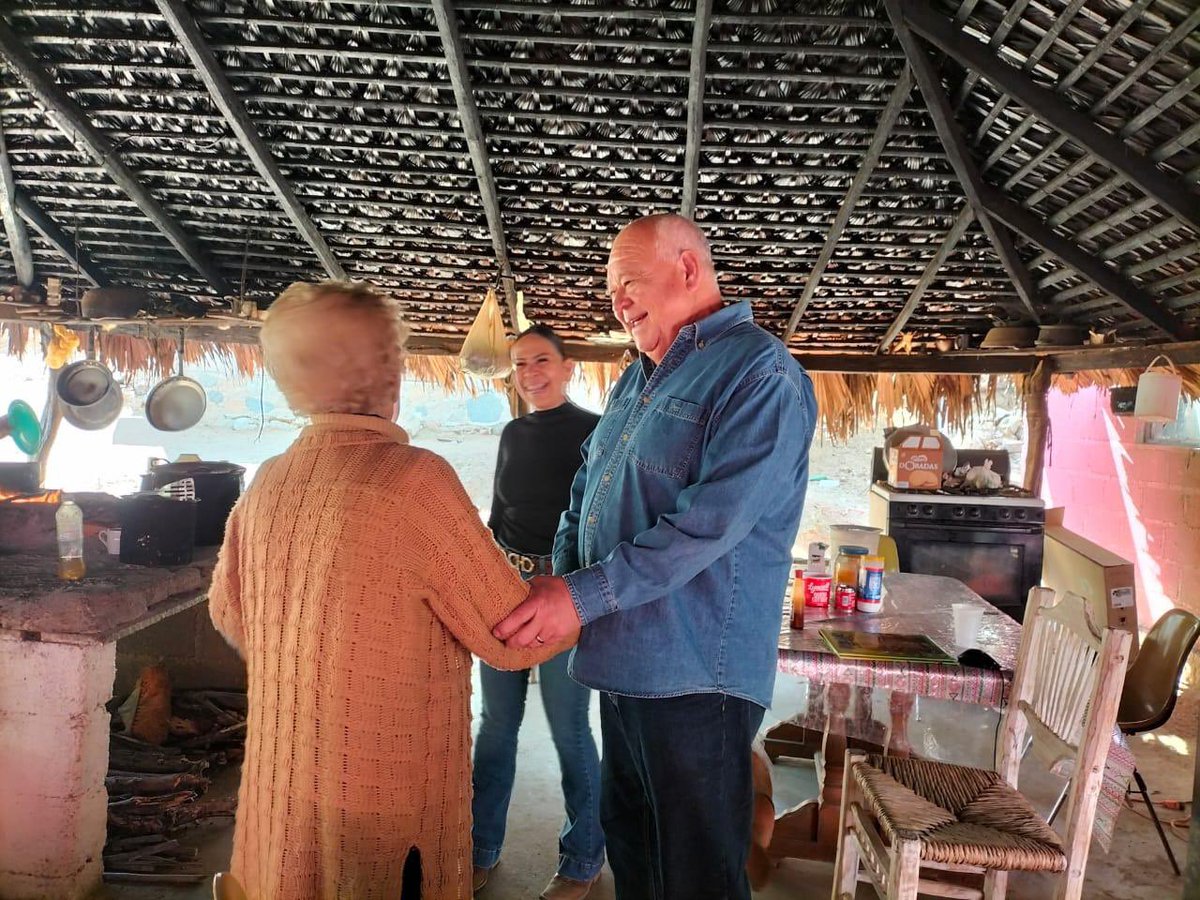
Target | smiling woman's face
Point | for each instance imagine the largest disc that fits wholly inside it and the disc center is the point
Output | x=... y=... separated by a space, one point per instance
x=540 y=373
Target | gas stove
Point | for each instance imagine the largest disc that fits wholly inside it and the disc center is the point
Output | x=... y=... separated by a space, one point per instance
x=991 y=542
x=954 y=504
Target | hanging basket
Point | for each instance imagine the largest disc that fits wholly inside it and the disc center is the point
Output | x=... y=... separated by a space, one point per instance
x=1158 y=392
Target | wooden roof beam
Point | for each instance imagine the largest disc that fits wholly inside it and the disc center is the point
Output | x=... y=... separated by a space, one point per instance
x=883 y=131
x=14 y=226
x=965 y=169
x=1112 y=282
x=957 y=230
x=189 y=35
x=695 y=107
x=1170 y=192
x=65 y=244
x=71 y=119
x=468 y=114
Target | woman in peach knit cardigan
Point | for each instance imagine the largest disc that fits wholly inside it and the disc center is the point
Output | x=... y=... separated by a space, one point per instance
x=356 y=579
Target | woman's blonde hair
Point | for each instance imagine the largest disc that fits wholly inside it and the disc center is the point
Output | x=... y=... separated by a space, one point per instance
x=335 y=347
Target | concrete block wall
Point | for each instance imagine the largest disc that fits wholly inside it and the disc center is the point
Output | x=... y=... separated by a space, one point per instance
x=194 y=653
x=1141 y=501
x=53 y=756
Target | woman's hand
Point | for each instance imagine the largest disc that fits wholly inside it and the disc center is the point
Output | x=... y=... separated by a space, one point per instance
x=548 y=616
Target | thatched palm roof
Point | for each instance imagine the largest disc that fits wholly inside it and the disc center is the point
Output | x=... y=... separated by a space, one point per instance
x=864 y=168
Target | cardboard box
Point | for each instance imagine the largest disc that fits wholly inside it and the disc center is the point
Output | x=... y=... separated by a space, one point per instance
x=916 y=463
x=1073 y=563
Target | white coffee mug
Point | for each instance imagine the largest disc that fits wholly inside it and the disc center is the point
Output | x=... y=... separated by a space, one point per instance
x=111 y=539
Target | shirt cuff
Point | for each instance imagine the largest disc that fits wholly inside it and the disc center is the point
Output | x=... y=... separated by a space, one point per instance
x=591 y=593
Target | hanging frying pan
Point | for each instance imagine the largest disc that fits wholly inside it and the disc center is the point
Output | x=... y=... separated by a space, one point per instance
x=176 y=403
x=88 y=393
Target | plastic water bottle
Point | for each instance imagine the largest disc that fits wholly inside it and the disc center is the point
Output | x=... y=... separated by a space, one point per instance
x=68 y=523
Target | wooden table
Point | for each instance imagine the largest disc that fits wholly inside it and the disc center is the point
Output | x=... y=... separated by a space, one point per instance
x=838 y=714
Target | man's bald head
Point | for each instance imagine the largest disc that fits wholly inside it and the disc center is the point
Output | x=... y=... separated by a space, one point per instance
x=661 y=277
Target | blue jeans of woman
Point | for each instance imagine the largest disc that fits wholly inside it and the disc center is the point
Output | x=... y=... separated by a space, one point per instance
x=567 y=703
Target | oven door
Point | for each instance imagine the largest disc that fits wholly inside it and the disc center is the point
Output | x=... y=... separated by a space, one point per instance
x=1000 y=565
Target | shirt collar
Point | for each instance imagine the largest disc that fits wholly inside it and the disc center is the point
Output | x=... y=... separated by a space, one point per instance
x=705 y=331
x=716 y=324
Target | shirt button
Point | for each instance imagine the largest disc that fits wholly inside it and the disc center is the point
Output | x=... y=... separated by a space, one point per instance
x=591 y=520
x=607 y=478
x=645 y=401
x=625 y=437
x=700 y=344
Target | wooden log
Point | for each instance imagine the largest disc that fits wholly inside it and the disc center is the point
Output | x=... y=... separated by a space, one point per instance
x=153 y=783
x=1037 y=425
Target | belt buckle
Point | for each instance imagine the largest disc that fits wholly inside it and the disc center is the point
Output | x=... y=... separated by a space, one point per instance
x=521 y=563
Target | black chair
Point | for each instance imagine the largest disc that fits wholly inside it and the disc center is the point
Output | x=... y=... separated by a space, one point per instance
x=1152 y=686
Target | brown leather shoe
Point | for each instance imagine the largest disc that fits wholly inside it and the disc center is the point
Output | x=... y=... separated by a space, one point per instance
x=562 y=888
x=479 y=877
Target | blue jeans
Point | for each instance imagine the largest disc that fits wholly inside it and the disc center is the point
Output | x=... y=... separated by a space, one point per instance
x=677 y=797
x=581 y=841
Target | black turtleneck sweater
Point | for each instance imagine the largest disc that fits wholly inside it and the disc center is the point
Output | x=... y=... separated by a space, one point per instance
x=537 y=461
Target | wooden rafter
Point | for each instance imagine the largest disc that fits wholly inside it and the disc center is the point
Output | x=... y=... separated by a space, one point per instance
x=71 y=119
x=1170 y=192
x=961 y=223
x=955 y=145
x=14 y=226
x=695 y=106
x=883 y=131
x=1121 y=288
x=468 y=114
x=64 y=243
x=234 y=111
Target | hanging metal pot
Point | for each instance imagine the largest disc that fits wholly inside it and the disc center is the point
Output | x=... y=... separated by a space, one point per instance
x=176 y=403
x=89 y=395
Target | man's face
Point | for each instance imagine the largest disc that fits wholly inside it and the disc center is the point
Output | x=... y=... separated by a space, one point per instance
x=650 y=296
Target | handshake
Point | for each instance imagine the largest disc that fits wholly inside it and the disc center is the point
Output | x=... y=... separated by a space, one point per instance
x=547 y=616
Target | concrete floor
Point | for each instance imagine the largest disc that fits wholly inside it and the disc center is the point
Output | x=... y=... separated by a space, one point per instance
x=1135 y=869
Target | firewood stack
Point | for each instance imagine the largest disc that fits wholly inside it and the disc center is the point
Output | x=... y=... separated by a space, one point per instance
x=156 y=786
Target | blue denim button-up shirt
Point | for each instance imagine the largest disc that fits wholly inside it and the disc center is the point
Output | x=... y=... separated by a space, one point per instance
x=679 y=536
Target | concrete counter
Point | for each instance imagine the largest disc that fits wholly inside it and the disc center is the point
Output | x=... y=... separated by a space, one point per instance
x=58 y=648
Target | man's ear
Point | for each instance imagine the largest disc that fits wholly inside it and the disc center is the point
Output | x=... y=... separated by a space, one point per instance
x=691 y=269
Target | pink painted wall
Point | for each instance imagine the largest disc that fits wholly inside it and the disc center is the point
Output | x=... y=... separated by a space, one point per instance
x=1137 y=500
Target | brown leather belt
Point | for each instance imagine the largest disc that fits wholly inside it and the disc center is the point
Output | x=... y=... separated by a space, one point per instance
x=529 y=565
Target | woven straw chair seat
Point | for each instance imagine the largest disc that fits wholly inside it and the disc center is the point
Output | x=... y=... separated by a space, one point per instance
x=960 y=815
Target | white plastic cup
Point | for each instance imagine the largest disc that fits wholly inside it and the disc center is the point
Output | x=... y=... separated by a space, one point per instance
x=968 y=619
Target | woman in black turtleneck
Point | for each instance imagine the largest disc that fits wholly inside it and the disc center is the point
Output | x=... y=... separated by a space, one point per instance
x=538 y=458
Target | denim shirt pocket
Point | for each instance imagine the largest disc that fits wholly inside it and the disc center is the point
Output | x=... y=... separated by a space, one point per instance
x=669 y=437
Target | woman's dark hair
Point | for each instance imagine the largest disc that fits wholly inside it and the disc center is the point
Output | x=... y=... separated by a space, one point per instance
x=545 y=331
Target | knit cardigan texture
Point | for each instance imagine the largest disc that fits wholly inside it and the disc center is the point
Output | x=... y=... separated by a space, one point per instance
x=356 y=579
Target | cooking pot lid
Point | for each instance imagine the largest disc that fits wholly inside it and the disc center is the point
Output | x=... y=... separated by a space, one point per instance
x=175 y=404
x=84 y=383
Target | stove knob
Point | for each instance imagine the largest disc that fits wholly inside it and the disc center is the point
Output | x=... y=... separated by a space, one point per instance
x=913 y=509
x=1006 y=513
x=974 y=512
x=1020 y=513
x=958 y=512
x=927 y=510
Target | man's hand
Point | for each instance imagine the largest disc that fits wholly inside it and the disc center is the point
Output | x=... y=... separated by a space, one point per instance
x=548 y=616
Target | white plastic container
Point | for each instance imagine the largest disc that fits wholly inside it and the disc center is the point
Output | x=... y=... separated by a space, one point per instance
x=1158 y=393
x=858 y=535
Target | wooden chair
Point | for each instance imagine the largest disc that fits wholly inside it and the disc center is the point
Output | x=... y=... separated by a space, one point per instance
x=226 y=887
x=926 y=827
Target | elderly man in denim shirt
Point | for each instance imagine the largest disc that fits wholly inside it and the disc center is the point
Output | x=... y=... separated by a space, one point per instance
x=675 y=556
